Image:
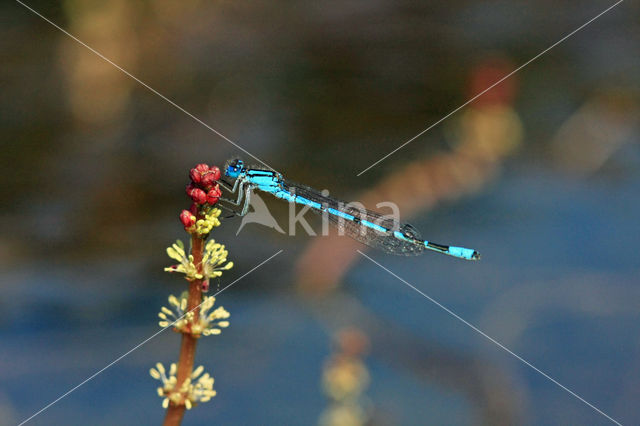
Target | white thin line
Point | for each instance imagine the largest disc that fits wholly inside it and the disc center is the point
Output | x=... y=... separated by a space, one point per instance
x=467 y=323
x=140 y=344
x=492 y=86
x=144 y=84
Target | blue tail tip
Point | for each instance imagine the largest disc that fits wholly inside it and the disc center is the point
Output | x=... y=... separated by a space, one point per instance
x=464 y=253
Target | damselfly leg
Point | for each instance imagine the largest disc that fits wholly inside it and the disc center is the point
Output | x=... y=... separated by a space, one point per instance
x=229 y=209
x=244 y=193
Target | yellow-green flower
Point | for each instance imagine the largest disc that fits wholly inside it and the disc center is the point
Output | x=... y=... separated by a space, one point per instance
x=214 y=261
x=209 y=322
x=348 y=414
x=186 y=265
x=345 y=378
x=202 y=390
x=175 y=315
x=210 y=221
x=194 y=389
x=168 y=383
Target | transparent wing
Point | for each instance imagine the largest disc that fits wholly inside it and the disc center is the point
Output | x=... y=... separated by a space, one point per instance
x=384 y=240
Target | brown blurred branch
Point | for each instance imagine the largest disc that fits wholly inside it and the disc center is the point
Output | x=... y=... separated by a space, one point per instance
x=488 y=135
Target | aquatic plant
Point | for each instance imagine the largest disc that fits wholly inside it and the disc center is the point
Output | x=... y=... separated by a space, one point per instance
x=192 y=314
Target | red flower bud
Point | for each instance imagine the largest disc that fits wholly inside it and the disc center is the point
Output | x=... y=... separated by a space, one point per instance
x=196 y=194
x=215 y=172
x=187 y=218
x=197 y=172
x=207 y=182
x=194 y=209
x=214 y=195
x=204 y=286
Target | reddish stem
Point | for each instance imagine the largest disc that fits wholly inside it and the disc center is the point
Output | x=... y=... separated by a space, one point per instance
x=188 y=347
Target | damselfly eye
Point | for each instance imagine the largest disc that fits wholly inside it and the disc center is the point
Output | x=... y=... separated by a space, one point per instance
x=234 y=167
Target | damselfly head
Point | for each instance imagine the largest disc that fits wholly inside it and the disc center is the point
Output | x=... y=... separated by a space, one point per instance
x=234 y=168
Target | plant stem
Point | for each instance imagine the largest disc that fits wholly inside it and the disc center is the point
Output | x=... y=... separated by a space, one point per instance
x=188 y=347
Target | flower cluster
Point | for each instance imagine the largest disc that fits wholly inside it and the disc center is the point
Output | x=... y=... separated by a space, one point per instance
x=204 y=188
x=344 y=414
x=209 y=322
x=344 y=381
x=203 y=226
x=215 y=255
x=345 y=378
x=190 y=393
x=214 y=261
x=205 y=192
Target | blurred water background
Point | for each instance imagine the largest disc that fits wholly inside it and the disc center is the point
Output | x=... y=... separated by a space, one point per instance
x=541 y=175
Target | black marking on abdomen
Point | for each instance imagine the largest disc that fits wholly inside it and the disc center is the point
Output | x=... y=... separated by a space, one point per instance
x=439 y=246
